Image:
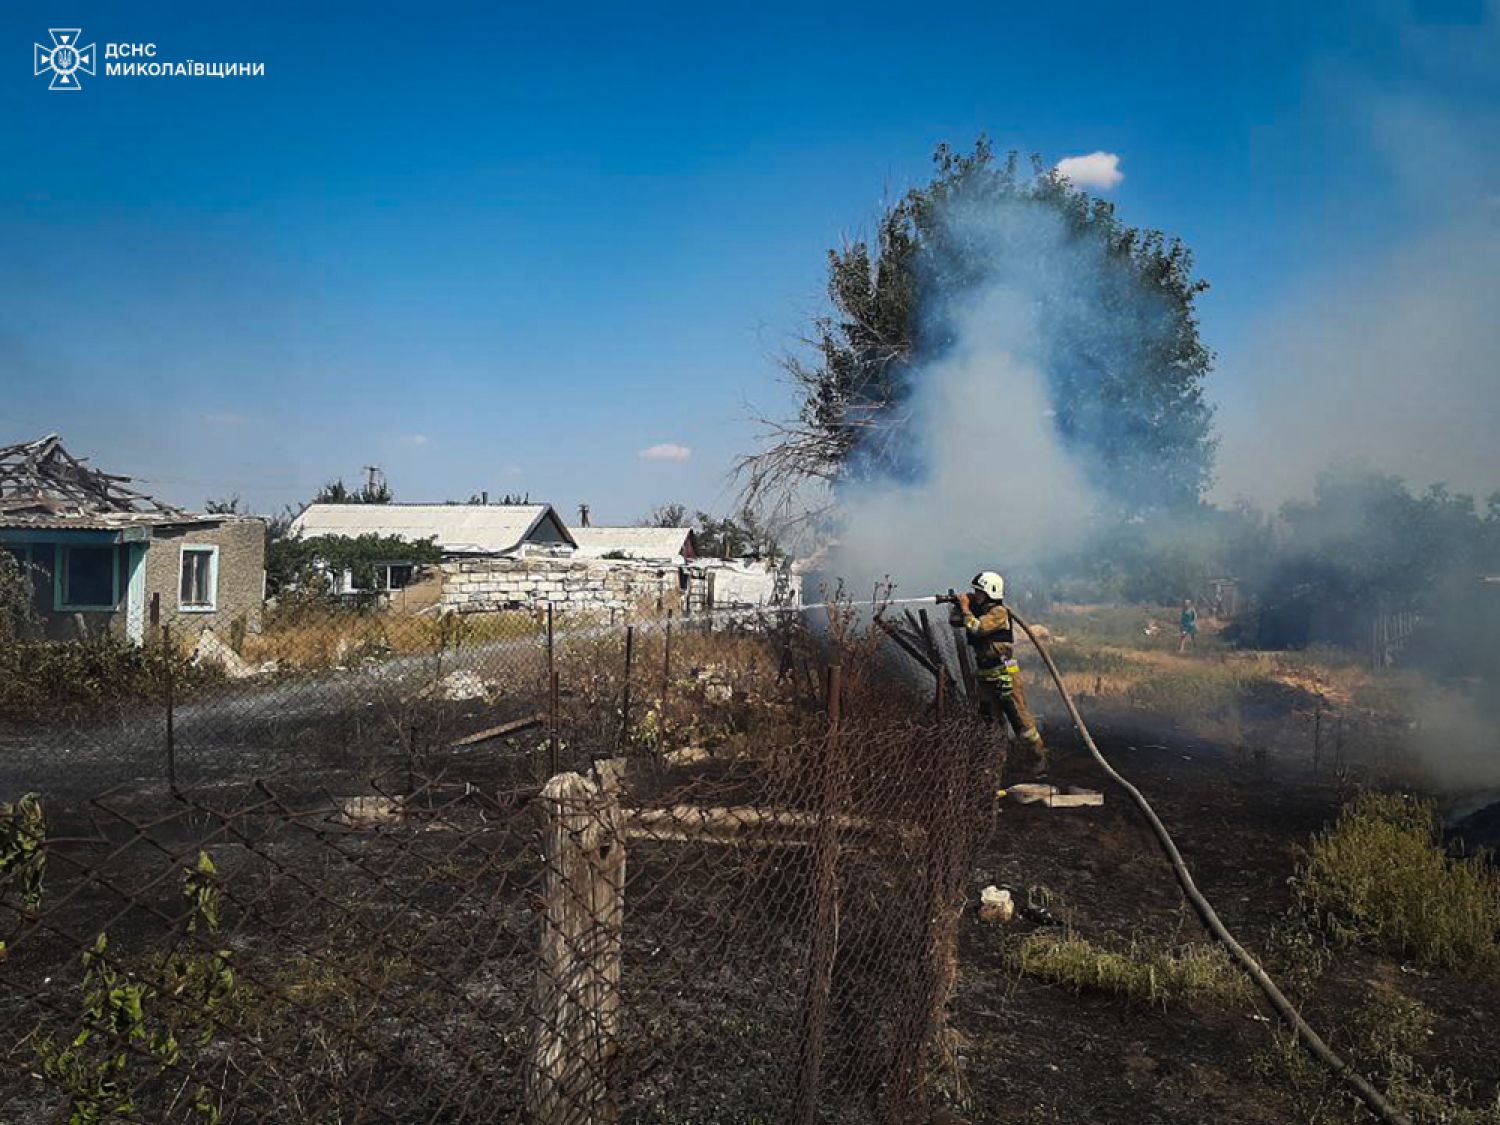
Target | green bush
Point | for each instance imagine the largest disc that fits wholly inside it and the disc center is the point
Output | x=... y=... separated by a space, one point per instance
x=1379 y=876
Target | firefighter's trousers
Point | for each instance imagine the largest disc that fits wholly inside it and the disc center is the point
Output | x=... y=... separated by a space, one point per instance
x=997 y=700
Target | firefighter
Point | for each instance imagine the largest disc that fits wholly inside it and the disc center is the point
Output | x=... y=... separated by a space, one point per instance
x=987 y=626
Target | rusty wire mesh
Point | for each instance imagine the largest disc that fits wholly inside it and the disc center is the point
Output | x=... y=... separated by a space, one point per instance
x=445 y=870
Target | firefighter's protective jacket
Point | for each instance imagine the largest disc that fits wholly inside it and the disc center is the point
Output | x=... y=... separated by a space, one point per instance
x=992 y=638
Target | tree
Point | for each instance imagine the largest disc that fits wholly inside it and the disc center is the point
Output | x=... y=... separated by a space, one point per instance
x=733 y=536
x=1115 y=320
x=225 y=506
x=293 y=563
x=666 y=515
x=337 y=492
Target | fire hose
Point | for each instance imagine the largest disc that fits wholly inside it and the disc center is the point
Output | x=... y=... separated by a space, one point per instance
x=1373 y=1098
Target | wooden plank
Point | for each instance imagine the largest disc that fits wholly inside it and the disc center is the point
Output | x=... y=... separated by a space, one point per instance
x=906 y=645
x=1083 y=798
x=610 y=773
x=515 y=726
x=966 y=663
x=575 y=1035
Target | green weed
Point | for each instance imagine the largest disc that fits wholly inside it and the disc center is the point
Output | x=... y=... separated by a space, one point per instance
x=1189 y=976
x=1380 y=877
x=1382 y=1042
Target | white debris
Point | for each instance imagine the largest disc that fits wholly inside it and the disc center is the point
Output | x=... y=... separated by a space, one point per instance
x=996 y=905
x=1029 y=792
x=211 y=650
x=685 y=756
x=368 y=812
x=459 y=686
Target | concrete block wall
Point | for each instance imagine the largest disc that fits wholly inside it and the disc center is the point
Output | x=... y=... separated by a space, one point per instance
x=487 y=585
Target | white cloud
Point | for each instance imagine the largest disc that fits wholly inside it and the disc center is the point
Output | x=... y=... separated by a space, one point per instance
x=1098 y=170
x=414 y=439
x=666 y=451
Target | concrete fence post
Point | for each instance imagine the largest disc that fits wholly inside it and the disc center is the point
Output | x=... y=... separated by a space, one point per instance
x=575 y=1035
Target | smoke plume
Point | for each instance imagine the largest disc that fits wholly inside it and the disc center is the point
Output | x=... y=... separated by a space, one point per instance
x=999 y=490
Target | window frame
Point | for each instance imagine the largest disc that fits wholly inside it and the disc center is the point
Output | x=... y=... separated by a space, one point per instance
x=212 y=551
x=61 y=572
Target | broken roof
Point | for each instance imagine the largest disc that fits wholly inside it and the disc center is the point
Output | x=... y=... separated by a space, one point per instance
x=635 y=542
x=42 y=484
x=457 y=529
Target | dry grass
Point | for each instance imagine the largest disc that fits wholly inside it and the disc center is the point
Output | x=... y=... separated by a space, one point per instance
x=332 y=638
x=1192 y=975
x=1379 y=876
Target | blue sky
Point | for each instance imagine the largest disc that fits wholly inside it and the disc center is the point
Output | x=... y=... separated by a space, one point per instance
x=511 y=246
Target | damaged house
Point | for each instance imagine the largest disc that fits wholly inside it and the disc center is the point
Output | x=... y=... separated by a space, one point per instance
x=98 y=553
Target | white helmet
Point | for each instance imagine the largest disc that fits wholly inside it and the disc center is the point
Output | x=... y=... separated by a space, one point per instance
x=991 y=584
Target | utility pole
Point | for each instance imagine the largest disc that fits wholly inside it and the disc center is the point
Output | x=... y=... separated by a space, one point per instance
x=583 y=515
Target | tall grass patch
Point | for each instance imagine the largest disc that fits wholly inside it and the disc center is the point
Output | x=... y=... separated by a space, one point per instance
x=1192 y=975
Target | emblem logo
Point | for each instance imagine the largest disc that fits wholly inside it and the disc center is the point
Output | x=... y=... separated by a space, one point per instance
x=66 y=59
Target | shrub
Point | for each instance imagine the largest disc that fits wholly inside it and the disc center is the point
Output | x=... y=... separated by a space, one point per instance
x=39 y=676
x=1379 y=876
x=17 y=616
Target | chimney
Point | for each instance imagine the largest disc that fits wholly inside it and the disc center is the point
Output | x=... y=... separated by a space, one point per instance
x=583 y=515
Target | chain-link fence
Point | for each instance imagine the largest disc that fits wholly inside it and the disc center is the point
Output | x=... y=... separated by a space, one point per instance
x=509 y=867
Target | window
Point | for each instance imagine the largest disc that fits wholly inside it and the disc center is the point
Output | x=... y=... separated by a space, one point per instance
x=88 y=578
x=394 y=576
x=198 y=589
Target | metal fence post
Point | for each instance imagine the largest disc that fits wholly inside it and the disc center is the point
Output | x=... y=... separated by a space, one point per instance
x=826 y=912
x=552 y=720
x=625 y=697
x=169 y=656
x=666 y=661
x=551 y=689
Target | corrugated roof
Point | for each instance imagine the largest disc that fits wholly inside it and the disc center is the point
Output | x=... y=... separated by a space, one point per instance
x=459 y=529
x=632 y=542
